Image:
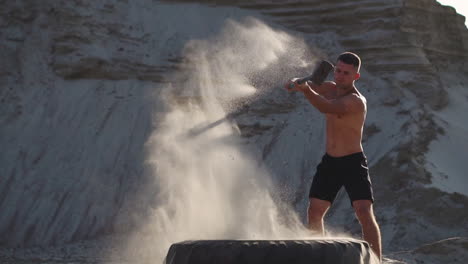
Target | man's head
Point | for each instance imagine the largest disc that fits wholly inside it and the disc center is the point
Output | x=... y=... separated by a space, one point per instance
x=347 y=69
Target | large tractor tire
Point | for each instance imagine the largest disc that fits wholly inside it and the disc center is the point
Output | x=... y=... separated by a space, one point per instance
x=319 y=251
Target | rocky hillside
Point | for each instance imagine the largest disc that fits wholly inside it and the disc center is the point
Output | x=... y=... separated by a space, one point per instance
x=75 y=114
x=81 y=85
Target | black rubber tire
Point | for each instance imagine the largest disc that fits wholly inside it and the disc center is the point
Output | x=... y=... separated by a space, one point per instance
x=320 y=251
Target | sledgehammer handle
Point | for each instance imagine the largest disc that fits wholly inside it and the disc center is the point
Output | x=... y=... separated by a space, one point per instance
x=318 y=76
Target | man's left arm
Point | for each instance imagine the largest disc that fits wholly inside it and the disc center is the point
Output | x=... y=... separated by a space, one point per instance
x=347 y=104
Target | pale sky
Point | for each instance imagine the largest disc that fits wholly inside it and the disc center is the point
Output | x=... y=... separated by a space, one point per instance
x=460 y=5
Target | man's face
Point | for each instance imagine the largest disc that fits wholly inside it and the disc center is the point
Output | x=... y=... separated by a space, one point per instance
x=345 y=74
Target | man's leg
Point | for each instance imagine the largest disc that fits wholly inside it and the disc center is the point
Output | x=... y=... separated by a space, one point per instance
x=317 y=210
x=370 y=228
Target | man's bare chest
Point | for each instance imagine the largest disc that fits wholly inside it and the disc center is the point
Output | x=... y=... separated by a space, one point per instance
x=333 y=95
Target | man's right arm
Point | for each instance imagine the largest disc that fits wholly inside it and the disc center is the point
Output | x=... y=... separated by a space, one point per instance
x=344 y=105
x=321 y=89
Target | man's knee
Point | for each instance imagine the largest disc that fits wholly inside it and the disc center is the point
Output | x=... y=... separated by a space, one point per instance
x=315 y=214
x=364 y=211
x=317 y=208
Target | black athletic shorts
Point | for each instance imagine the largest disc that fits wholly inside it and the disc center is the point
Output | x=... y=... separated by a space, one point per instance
x=349 y=171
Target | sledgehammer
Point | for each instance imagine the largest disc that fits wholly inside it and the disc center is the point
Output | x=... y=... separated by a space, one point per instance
x=322 y=69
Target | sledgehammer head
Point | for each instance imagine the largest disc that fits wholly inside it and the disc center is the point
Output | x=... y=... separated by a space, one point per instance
x=321 y=72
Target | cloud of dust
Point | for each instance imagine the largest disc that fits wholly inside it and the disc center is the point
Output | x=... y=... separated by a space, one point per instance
x=211 y=186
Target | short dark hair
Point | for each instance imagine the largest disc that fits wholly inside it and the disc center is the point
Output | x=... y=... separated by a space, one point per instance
x=350 y=58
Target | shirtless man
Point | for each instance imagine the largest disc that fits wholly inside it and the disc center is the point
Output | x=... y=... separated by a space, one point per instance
x=344 y=163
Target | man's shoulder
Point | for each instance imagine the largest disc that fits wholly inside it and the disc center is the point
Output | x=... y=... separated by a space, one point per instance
x=355 y=102
x=354 y=96
x=362 y=98
x=357 y=97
